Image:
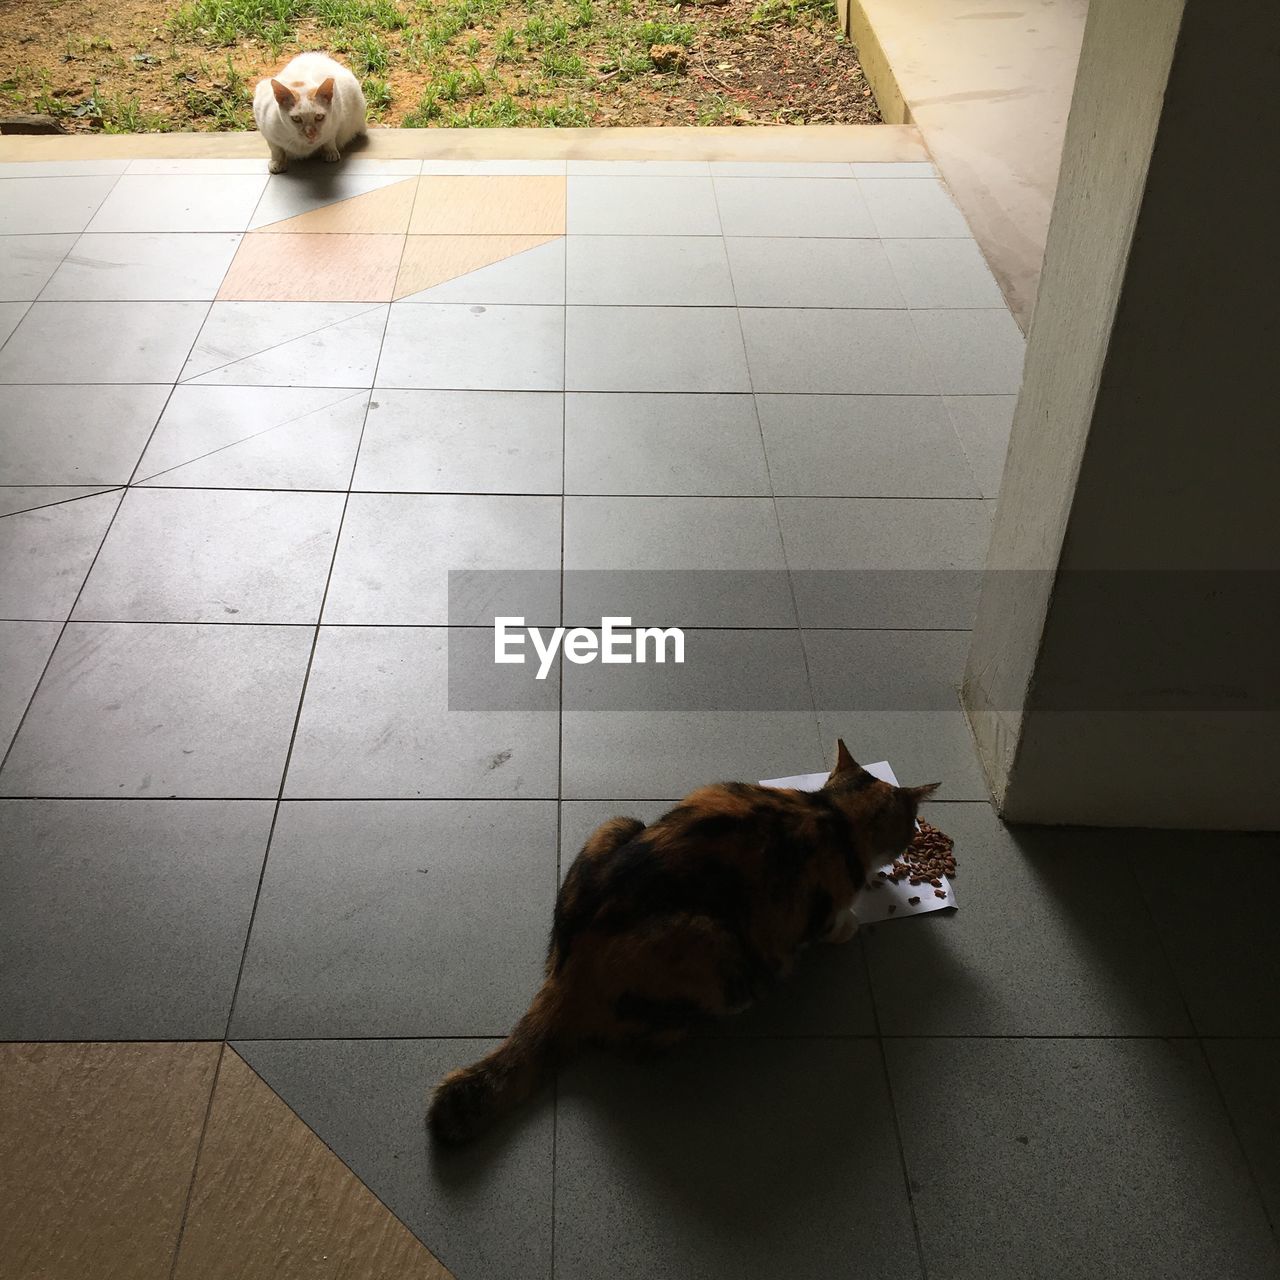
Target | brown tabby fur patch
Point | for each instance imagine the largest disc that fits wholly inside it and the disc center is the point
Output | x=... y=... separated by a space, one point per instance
x=661 y=929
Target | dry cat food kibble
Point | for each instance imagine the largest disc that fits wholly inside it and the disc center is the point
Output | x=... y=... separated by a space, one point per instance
x=929 y=857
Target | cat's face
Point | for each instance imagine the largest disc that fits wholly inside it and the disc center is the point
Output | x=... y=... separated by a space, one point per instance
x=307 y=106
x=886 y=814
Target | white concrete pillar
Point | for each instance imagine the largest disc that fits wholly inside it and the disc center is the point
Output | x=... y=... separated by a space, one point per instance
x=1125 y=658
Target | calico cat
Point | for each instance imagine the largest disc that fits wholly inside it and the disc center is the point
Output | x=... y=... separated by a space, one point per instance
x=659 y=930
x=314 y=104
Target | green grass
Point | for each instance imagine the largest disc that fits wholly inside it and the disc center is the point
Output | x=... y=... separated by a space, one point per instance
x=793 y=13
x=465 y=63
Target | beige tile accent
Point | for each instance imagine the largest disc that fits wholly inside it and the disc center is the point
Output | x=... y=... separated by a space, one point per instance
x=97 y=1147
x=271 y=1199
x=306 y=267
x=384 y=210
x=431 y=260
x=765 y=142
x=489 y=205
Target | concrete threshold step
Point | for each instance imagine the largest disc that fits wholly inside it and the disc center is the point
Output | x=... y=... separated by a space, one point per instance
x=780 y=143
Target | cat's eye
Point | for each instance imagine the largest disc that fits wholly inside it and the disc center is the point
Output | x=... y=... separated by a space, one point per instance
x=319 y=119
x=296 y=119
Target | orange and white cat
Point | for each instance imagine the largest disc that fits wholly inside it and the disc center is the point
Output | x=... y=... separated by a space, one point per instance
x=313 y=105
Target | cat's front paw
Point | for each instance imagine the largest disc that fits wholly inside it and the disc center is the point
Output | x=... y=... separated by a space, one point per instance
x=277 y=166
x=844 y=927
x=331 y=154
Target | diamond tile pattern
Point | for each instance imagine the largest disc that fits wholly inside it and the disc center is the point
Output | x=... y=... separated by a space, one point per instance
x=274 y=452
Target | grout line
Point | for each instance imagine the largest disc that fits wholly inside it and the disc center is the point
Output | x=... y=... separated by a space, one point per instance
x=297 y=719
x=275 y=346
x=893 y=1108
x=822 y=1037
x=374 y=799
x=66 y=622
x=60 y=502
x=481 y=493
x=564 y=471
x=195 y=1164
x=332 y=404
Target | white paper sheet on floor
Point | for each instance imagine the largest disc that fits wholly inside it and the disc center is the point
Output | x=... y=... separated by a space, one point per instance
x=872 y=905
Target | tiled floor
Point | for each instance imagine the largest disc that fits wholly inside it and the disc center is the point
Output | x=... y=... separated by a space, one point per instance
x=280 y=846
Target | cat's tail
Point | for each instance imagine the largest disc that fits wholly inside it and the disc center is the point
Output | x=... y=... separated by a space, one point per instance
x=468 y=1101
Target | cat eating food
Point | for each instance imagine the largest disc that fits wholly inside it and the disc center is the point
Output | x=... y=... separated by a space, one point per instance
x=313 y=105
x=659 y=930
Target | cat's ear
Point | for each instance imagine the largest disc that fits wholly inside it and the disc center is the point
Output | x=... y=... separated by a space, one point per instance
x=325 y=92
x=844 y=761
x=918 y=794
x=284 y=95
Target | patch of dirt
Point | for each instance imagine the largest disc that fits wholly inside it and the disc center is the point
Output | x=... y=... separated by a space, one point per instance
x=148 y=66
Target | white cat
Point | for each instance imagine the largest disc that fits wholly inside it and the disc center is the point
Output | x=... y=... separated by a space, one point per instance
x=313 y=104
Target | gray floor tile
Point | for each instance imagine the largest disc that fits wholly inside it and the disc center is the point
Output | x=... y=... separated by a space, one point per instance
x=462 y=442
x=1045 y=1159
x=1226 y=959
x=147 y=268
x=46 y=553
x=863 y=446
x=61 y=168
x=312 y=187
x=75 y=434
x=912 y=208
x=124 y=919
x=27 y=262
x=792 y=207
x=378 y=721
x=673 y=1169
x=473 y=348
x=242 y=164
x=943 y=273
x=1246 y=1072
x=51 y=205
x=885 y=562
x=855 y=352
x=11 y=315
x=214 y=555
x=484 y=1211
x=288 y=344
x=642 y=206
x=663 y=444
x=531 y=276
x=811 y=272
x=639 y=168
x=654 y=349
x=709 y=562
x=256 y=438
x=983 y=424
x=972 y=353
x=738 y=708
x=1051 y=938
x=656 y=271
x=894 y=695
x=206 y=202
x=24 y=649
x=125 y=342
x=130 y=709
x=397 y=551
x=400 y=918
